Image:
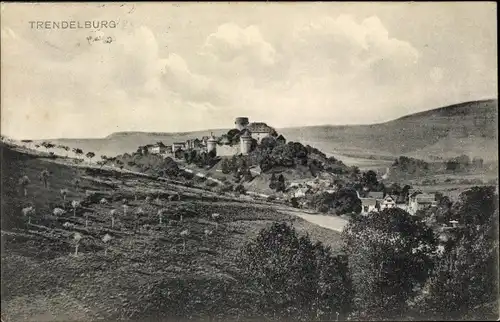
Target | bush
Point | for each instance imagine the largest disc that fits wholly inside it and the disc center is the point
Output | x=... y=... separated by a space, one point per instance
x=340 y=202
x=390 y=254
x=291 y=277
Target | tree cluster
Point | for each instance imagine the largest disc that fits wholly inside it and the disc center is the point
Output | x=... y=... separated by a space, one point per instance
x=392 y=268
x=277 y=184
x=150 y=164
x=343 y=201
x=200 y=158
x=288 y=276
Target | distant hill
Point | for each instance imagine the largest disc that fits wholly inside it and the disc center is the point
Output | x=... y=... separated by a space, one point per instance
x=465 y=128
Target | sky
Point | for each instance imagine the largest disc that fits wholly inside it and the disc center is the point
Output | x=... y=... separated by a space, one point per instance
x=178 y=67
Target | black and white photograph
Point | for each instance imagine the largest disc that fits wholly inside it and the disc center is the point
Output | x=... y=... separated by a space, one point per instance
x=249 y=161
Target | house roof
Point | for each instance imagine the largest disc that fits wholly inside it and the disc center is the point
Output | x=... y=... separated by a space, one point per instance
x=390 y=197
x=425 y=198
x=376 y=195
x=281 y=138
x=368 y=201
x=259 y=127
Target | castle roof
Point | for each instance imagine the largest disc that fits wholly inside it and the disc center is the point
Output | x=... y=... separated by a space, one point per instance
x=224 y=140
x=246 y=133
x=259 y=127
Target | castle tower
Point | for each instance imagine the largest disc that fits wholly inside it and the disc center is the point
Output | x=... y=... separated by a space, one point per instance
x=212 y=144
x=246 y=142
x=241 y=123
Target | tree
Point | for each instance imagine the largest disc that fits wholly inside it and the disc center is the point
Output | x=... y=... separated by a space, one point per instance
x=77 y=237
x=125 y=207
x=106 y=239
x=187 y=157
x=291 y=277
x=28 y=212
x=463 y=279
x=369 y=179
x=225 y=166
x=112 y=214
x=216 y=217
x=65 y=148
x=273 y=182
x=239 y=189
x=461 y=283
x=44 y=177
x=90 y=155
x=86 y=219
x=161 y=212
x=24 y=181
x=76 y=183
x=78 y=152
x=475 y=206
x=28 y=142
x=75 y=204
x=389 y=257
x=280 y=184
x=48 y=145
x=64 y=193
x=184 y=234
x=233 y=134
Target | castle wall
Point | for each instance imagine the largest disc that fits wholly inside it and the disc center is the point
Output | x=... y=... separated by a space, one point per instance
x=259 y=136
x=227 y=150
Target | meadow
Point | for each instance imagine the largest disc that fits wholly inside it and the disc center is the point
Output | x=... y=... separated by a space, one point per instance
x=166 y=255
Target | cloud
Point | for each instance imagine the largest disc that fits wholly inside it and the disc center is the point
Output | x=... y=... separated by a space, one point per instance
x=345 y=47
x=231 y=42
x=163 y=72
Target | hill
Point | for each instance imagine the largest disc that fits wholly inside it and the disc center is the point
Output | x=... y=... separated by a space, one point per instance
x=449 y=131
x=469 y=128
x=147 y=270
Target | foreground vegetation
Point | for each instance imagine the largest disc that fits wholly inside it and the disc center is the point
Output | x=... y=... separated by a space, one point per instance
x=85 y=244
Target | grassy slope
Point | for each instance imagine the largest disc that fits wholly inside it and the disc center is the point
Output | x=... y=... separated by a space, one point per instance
x=460 y=124
x=145 y=272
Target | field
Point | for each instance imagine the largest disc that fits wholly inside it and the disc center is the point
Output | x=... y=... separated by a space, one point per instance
x=148 y=269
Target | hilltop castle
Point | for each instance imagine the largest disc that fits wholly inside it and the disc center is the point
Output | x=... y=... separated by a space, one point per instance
x=225 y=145
x=247 y=133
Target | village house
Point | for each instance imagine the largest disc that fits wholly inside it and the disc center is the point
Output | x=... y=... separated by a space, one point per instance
x=419 y=201
x=370 y=203
x=157 y=149
x=387 y=202
x=177 y=146
x=301 y=192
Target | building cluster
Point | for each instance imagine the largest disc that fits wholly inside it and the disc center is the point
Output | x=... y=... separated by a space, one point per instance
x=377 y=201
x=222 y=146
x=372 y=202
